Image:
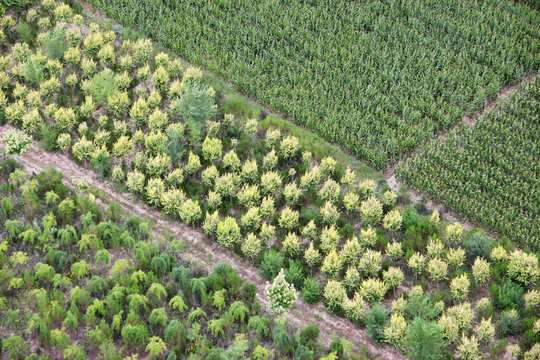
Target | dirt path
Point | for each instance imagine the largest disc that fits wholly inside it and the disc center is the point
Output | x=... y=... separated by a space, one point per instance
x=205 y=250
x=417 y=196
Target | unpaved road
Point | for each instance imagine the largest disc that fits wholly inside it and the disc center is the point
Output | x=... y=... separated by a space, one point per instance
x=204 y=250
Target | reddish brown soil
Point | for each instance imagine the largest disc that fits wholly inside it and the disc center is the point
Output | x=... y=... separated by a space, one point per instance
x=204 y=250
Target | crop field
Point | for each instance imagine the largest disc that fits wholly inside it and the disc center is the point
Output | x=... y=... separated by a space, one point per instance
x=108 y=101
x=377 y=77
x=489 y=171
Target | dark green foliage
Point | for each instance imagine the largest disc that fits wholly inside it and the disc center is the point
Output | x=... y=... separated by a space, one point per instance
x=217 y=353
x=509 y=324
x=194 y=104
x=160 y=264
x=49 y=134
x=310 y=332
x=296 y=274
x=311 y=291
x=7 y=207
x=424 y=341
x=54 y=43
x=136 y=336
x=24 y=31
x=282 y=339
x=249 y=292
x=376 y=321
x=271 y=264
x=303 y=353
x=478 y=245
x=175 y=333
x=421 y=306
x=509 y=296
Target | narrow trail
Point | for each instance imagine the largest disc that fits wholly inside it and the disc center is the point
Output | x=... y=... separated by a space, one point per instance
x=204 y=250
x=417 y=195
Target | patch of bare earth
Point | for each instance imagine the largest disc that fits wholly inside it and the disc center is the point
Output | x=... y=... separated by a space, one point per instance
x=417 y=196
x=204 y=250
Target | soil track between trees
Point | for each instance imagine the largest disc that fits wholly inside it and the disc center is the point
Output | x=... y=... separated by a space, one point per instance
x=418 y=196
x=204 y=250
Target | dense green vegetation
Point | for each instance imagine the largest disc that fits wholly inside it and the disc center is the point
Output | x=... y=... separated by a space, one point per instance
x=377 y=77
x=489 y=172
x=79 y=283
x=154 y=127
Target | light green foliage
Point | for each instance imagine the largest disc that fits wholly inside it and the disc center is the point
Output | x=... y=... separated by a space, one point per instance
x=523 y=267
x=228 y=232
x=459 y=286
x=371 y=210
x=16 y=142
x=190 y=211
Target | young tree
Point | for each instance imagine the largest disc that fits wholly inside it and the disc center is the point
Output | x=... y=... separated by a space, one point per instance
x=282 y=295
x=424 y=341
x=334 y=294
x=228 y=232
x=453 y=234
x=468 y=348
x=485 y=330
x=371 y=210
x=393 y=277
x=373 y=290
x=156 y=347
x=437 y=270
x=332 y=265
x=289 y=219
x=460 y=287
x=392 y=221
x=396 y=330
x=252 y=246
x=16 y=142
x=480 y=270
x=417 y=263
x=190 y=212
x=523 y=267
x=371 y=262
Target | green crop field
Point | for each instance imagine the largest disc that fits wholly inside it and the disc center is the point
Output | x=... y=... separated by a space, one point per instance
x=489 y=172
x=377 y=77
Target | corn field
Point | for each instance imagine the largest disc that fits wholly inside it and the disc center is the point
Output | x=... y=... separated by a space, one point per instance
x=489 y=172
x=377 y=77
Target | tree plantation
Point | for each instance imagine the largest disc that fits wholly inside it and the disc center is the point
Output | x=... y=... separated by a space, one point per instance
x=328 y=240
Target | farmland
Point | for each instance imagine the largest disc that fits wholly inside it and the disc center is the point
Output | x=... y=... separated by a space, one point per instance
x=322 y=238
x=378 y=78
x=489 y=171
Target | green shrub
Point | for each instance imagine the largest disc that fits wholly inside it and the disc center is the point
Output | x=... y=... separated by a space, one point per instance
x=271 y=264
x=101 y=86
x=478 y=245
x=424 y=341
x=376 y=321
x=510 y=323
x=509 y=296
x=311 y=291
x=14 y=347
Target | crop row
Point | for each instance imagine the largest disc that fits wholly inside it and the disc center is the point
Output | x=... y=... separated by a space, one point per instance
x=489 y=172
x=155 y=128
x=378 y=78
